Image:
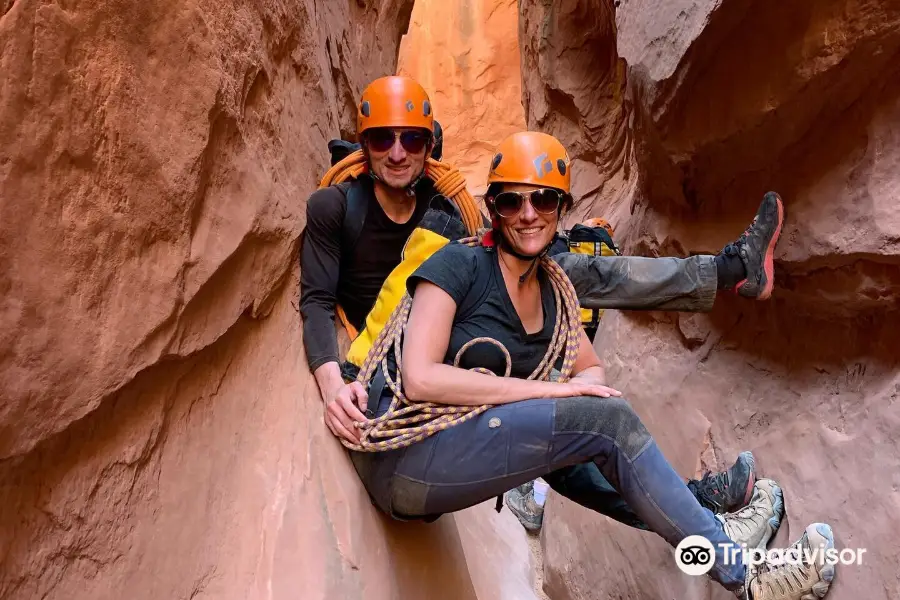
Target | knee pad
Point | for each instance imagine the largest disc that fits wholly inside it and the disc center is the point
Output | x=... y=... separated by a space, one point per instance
x=610 y=417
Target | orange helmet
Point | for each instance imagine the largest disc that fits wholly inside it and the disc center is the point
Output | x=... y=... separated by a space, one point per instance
x=394 y=102
x=533 y=158
x=598 y=222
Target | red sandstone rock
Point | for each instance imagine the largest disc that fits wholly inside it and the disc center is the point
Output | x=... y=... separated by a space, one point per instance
x=160 y=435
x=694 y=110
x=154 y=167
x=466 y=54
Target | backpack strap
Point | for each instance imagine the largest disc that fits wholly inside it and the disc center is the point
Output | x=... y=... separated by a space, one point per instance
x=355 y=214
x=340 y=150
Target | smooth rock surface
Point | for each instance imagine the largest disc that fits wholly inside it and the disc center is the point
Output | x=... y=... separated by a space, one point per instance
x=155 y=162
x=466 y=55
x=213 y=477
x=695 y=110
x=160 y=434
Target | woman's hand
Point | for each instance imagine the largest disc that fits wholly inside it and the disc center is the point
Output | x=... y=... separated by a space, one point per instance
x=583 y=387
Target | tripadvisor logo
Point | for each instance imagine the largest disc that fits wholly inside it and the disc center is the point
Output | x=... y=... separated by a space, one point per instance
x=695 y=555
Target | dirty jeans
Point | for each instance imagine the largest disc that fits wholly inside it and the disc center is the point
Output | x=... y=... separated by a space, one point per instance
x=639 y=283
x=511 y=444
x=631 y=283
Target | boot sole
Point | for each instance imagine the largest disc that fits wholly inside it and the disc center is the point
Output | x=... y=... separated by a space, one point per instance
x=751 y=481
x=769 y=260
x=528 y=524
x=826 y=573
x=774 y=522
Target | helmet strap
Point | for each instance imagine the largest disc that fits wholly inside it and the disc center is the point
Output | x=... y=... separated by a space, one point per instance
x=411 y=188
x=533 y=258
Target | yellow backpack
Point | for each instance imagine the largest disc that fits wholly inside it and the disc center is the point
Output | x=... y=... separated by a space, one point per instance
x=593 y=237
x=440 y=225
x=446 y=220
x=435 y=231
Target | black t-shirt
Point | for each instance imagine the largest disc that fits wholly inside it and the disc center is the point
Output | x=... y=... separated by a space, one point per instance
x=462 y=271
x=330 y=274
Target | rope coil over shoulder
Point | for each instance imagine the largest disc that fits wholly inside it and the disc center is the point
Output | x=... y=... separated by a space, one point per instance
x=407 y=422
x=447 y=181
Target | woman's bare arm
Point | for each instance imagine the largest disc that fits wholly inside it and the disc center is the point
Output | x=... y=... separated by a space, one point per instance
x=588 y=366
x=587 y=363
x=427 y=379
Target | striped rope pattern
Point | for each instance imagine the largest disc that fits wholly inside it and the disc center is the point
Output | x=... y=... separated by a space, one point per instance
x=406 y=422
x=448 y=181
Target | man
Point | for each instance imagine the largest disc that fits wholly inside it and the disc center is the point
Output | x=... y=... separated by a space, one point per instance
x=395 y=125
x=396 y=141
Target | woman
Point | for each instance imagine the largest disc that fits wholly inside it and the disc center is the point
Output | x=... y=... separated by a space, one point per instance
x=500 y=307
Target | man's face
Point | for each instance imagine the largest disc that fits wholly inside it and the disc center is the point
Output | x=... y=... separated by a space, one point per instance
x=397 y=154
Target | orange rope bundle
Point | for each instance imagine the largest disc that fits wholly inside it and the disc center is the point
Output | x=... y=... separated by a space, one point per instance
x=447 y=181
x=390 y=431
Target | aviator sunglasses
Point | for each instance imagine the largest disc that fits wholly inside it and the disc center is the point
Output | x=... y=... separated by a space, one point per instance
x=544 y=200
x=382 y=139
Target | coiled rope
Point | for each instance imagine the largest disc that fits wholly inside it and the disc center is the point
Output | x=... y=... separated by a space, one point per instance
x=406 y=422
x=447 y=181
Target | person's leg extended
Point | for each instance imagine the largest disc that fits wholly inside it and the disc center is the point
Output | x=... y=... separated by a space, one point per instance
x=681 y=284
x=511 y=444
x=584 y=484
x=640 y=283
x=722 y=492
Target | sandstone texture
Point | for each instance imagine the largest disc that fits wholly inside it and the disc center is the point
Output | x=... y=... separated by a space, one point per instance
x=466 y=55
x=680 y=116
x=160 y=435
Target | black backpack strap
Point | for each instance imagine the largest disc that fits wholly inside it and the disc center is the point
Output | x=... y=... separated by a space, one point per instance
x=355 y=214
x=559 y=245
x=607 y=239
x=340 y=150
x=438 y=151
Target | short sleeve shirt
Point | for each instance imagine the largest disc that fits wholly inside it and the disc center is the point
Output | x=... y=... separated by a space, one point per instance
x=472 y=277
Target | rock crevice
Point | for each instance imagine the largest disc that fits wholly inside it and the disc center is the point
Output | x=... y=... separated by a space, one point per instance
x=722 y=102
x=160 y=434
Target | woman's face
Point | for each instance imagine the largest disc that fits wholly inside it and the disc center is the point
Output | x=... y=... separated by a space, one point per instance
x=529 y=230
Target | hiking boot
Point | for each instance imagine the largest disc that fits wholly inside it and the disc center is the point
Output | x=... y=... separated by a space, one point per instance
x=728 y=491
x=805 y=576
x=756 y=248
x=756 y=524
x=520 y=501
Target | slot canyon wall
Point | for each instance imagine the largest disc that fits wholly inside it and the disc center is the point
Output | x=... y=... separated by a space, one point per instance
x=160 y=434
x=680 y=115
x=466 y=54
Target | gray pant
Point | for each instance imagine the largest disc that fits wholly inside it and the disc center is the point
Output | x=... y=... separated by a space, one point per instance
x=510 y=444
x=639 y=283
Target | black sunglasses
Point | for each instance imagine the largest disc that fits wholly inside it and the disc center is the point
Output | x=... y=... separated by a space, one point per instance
x=381 y=139
x=544 y=200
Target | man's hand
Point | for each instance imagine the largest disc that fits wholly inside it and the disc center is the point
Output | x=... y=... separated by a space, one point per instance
x=343 y=401
x=345 y=407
